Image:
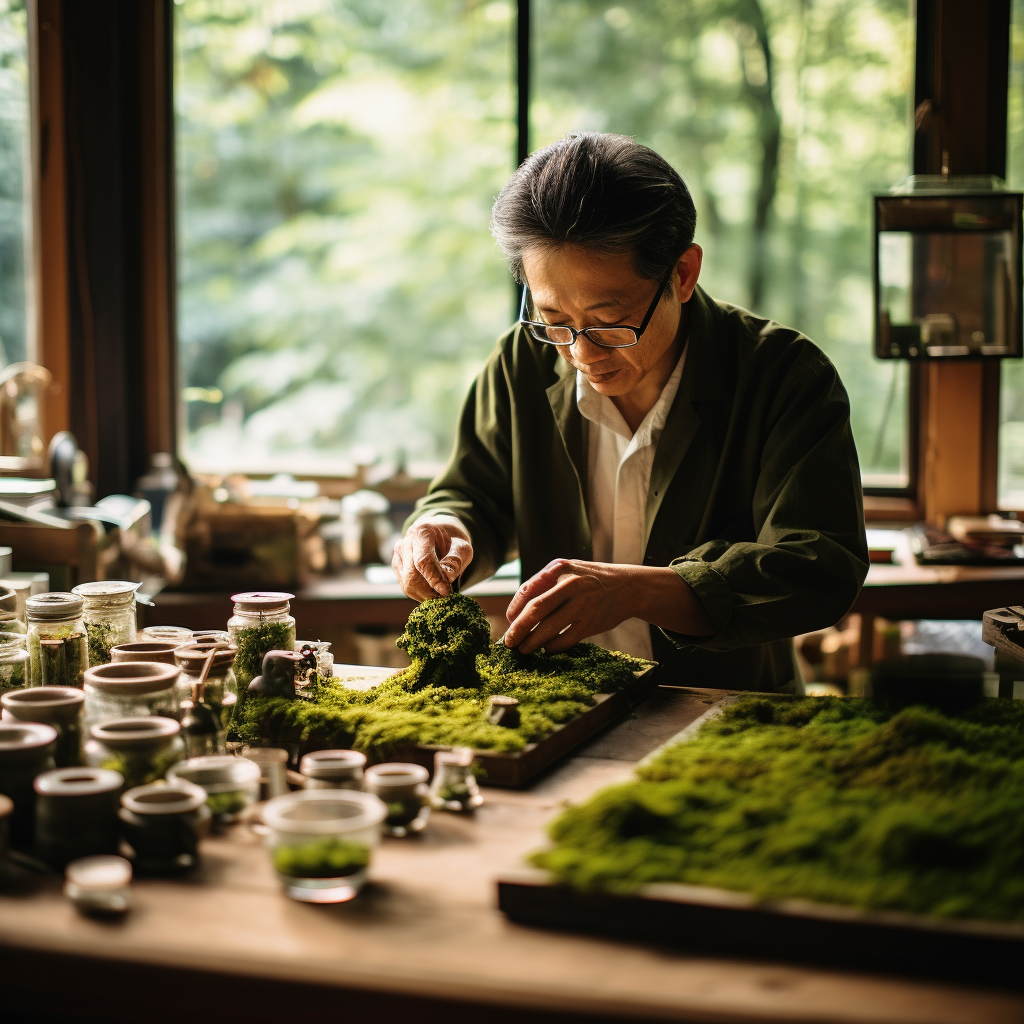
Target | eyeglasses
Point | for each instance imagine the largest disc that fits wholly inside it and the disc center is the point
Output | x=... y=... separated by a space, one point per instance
x=619 y=336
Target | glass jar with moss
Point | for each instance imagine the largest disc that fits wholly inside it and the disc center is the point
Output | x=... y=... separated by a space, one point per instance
x=108 y=610
x=15 y=664
x=261 y=622
x=321 y=841
x=58 y=645
x=9 y=621
x=141 y=749
x=403 y=788
x=454 y=787
x=220 y=688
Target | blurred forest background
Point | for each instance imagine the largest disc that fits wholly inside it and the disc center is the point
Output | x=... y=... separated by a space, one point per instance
x=337 y=160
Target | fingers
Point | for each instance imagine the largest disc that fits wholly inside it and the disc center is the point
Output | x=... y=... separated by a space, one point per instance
x=460 y=554
x=541 y=619
x=428 y=558
x=535 y=586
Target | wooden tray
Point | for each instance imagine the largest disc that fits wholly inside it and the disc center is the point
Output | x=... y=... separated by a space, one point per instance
x=513 y=770
x=710 y=920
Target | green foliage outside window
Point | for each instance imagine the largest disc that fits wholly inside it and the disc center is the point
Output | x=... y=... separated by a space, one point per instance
x=337 y=160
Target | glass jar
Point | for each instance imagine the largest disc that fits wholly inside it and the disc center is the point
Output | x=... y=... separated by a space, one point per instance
x=454 y=787
x=176 y=635
x=231 y=783
x=130 y=689
x=76 y=814
x=109 y=615
x=321 y=841
x=201 y=729
x=273 y=765
x=220 y=690
x=15 y=663
x=99 y=885
x=403 y=788
x=9 y=621
x=141 y=749
x=57 y=640
x=333 y=769
x=261 y=622
x=26 y=750
x=57 y=706
x=163 y=825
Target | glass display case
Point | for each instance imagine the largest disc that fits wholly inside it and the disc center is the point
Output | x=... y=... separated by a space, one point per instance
x=948 y=269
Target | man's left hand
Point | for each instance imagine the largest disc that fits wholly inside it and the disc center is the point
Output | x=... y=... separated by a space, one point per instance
x=567 y=601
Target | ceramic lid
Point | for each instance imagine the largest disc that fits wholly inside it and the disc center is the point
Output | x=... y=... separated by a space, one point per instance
x=262 y=601
x=131 y=677
x=55 y=605
x=25 y=740
x=159 y=798
x=43 y=703
x=332 y=764
x=78 y=782
x=122 y=591
x=134 y=733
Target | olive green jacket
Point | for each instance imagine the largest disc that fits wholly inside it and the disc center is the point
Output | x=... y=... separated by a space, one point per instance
x=754 y=500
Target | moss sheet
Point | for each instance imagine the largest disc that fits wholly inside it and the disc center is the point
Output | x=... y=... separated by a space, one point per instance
x=828 y=799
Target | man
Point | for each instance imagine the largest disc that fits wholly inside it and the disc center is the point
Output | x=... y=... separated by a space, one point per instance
x=677 y=475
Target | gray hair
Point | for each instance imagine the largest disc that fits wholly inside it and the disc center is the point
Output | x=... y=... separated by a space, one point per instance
x=606 y=193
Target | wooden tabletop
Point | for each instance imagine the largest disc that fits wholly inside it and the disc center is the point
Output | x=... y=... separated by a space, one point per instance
x=424 y=940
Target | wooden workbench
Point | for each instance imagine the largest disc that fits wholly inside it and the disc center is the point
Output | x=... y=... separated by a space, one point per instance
x=424 y=941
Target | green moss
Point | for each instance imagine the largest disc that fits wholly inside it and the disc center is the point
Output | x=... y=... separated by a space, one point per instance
x=443 y=638
x=321 y=858
x=833 y=800
x=64 y=666
x=253 y=642
x=415 y=708
x=102 y=636
x=140 y=767
x=227 y=803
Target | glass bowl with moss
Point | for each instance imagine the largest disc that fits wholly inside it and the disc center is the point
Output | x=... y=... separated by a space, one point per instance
x=444 y=698
x=321 y=842
x=231 y=783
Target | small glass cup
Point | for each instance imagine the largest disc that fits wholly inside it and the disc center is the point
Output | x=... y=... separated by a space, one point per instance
x=333 y=769
x=321 y=841
x=273 y=765
x=99 y=885
x=231 y=783
x=403 y=788
x=172 y=634
x=454 y=787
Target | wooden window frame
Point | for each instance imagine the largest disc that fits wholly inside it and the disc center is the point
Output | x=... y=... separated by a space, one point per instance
x=953 y=410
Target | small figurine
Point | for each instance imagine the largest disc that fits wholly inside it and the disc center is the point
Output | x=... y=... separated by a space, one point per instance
x=278 y=674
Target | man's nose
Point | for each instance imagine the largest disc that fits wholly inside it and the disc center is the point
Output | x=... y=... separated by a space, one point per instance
x=585 y=351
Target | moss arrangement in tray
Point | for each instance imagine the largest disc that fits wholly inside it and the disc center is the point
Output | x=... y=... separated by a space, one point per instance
x=833 y=800
x=441 y=699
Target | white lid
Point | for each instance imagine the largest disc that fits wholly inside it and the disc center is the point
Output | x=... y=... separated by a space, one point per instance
x=101 y=872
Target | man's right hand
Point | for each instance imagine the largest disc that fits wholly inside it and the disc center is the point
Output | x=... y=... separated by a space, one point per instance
x=434 y=552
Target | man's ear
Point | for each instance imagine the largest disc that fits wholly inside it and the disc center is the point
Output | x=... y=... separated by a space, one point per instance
x=687 y=271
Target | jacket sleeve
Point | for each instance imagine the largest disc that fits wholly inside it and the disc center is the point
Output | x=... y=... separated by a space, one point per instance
x=476 y=486
x=810 y=557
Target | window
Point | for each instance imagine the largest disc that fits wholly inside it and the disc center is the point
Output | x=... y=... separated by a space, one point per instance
x=1011 y=404
x=337 y=162
x=17 y=340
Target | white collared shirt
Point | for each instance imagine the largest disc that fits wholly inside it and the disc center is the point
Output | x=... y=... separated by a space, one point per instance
x=619 y=466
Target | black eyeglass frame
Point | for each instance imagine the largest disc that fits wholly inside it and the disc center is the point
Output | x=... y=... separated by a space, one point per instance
x=586 y=331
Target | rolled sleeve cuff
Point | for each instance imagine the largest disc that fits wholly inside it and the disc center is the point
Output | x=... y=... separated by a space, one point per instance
x=713 y=593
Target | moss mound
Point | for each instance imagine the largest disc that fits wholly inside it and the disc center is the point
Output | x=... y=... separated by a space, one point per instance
x=440 y=701
x=828 y=799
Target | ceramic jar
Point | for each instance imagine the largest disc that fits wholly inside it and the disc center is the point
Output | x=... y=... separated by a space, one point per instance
x=163 y=825
x=333 y=769
x=59 y=706
x=108 y=610
x=161 y=651
x=26 y=750
x=261 y=622
x=141 y=749
x=15 y=663
x=403 y=788
x=231 y=783
x=57 y=641
x=76 y=814
x=133 y=689
x=99 y=885
x=321 y=842
x=454 y=787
